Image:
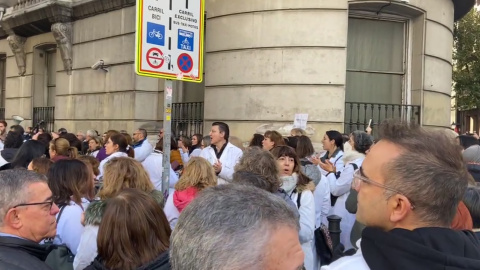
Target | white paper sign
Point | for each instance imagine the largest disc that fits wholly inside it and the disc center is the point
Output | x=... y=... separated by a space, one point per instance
x=300 y=121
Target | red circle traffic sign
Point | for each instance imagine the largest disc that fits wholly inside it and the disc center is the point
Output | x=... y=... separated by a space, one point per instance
x=155 y=58
x=185 y=63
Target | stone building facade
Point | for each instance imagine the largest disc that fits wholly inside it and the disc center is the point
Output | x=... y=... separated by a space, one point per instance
x=341 y=61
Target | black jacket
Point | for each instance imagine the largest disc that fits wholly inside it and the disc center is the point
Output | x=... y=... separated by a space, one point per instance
x=162 y=262
x=21 y=254
x=9 y=153
x=422 y=249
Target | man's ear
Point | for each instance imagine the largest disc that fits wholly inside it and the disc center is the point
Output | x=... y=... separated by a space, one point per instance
x=13 y=219
x=400 y=208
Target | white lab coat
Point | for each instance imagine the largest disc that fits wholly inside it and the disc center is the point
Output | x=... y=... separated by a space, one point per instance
x=341 y=187
x=143 y=151
x=113 y=155
x=171 y=211
x=337 y=161
x=230 y=157
x=322 y=202
x=153 y=164
x=307 y=226
x=354 y=262
x=69 y=227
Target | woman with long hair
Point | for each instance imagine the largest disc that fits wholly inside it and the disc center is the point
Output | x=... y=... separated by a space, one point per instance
x=27 y=152
x=120 y=173
x=197 y=175
x=196 y=147
x=305 y=151
x=71 y=183
x=300 y=188
x=134 y=234
x=60 y=149
x=116 y=146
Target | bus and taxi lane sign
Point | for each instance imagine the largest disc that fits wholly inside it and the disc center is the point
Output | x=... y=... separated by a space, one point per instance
x=169 y=39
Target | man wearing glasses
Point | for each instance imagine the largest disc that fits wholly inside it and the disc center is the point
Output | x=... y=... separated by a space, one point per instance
x=409 y=187
x=27 y=216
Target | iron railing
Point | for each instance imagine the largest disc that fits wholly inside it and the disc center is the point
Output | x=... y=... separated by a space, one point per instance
x=187 y=118
x=44 y=117
x=358 y=114
x=2 y=113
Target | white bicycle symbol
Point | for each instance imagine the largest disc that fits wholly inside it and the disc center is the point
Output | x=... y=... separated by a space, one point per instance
x=156 y=34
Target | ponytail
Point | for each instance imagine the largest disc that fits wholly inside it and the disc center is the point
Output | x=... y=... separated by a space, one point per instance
x=72 y=152
x=130 y=152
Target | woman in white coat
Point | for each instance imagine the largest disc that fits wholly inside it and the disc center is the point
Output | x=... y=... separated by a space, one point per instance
x=340 y=187
x=300 y=188
x=333 y=143
x=115 y=146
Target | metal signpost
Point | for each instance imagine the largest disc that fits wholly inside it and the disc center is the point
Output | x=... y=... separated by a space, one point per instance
x=169 y=45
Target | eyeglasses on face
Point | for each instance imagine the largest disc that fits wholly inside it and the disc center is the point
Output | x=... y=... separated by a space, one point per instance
x=50 y=203
x=358 y=178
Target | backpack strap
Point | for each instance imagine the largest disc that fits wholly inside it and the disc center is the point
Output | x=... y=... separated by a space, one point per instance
x=355 y=167
x=60 y=213
x=298 y=199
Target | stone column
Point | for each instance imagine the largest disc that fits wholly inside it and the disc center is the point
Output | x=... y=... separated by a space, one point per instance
x=267 y=60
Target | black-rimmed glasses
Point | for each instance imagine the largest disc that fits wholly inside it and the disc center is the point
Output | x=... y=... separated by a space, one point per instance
x=39 y=203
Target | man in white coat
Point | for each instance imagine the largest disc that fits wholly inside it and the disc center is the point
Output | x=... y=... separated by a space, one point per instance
x=222 y=154
x=141 y=147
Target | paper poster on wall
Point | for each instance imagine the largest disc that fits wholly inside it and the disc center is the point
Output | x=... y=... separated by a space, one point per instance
x=300 y=121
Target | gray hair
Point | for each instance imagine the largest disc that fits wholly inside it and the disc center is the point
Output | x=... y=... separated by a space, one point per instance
x=262 y=168
x=429 y=171
x=143 y=131
x=14 y=188
x=362 y=141
x=228 y=227
x=92 y=133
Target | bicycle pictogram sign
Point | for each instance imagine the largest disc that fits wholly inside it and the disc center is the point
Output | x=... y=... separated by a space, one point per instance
x=185 y=63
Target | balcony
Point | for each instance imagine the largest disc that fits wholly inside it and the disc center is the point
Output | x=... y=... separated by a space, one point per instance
x=358 y=114
x=33 y=17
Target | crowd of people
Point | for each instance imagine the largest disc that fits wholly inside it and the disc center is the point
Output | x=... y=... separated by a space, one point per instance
x=407 y=199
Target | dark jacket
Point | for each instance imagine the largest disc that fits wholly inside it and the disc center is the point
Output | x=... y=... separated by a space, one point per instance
x=162 y=262
x=474 y=170
x=423 y=248
x=9 y=153
x=21 y=254
x=351 y=206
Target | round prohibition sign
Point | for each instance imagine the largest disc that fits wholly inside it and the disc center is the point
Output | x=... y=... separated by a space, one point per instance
x=185 y=63
x=155 y=58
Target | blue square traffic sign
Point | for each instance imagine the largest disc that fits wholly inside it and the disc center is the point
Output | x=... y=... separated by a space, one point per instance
x=156 y=34
x=185 y=40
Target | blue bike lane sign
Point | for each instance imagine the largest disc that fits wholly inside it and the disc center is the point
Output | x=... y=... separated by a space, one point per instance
x=156 y=34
